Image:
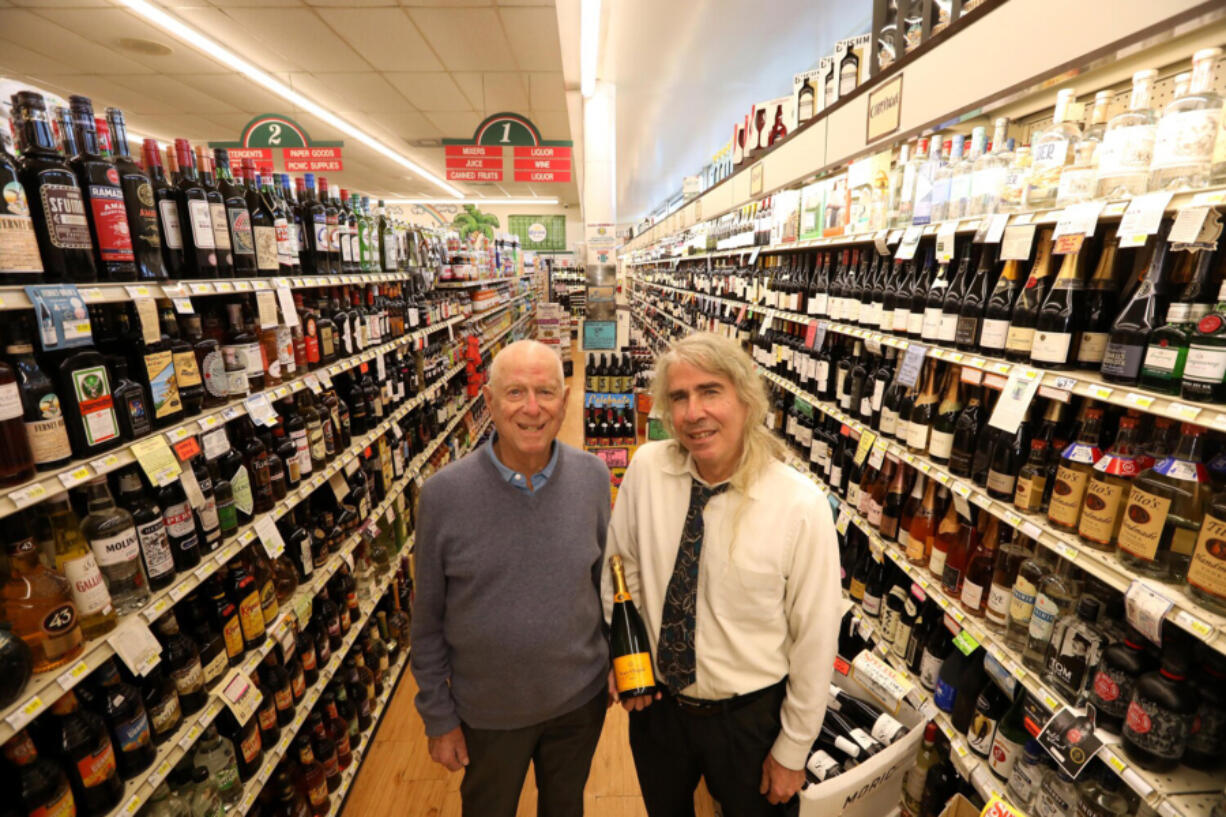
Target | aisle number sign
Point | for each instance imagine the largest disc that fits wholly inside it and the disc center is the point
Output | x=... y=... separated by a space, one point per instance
x=299 y=152
x=483 y=157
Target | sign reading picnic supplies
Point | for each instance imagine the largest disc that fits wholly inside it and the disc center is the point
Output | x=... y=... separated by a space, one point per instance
x=483 y=157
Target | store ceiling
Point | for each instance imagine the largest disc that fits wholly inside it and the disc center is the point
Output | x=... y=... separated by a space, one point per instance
x=417 y=70
x=685 y=76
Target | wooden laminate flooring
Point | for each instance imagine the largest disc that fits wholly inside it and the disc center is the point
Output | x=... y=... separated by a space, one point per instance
x=398 y=779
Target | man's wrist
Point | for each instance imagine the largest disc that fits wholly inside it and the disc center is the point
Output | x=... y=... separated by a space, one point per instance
x=790 y=754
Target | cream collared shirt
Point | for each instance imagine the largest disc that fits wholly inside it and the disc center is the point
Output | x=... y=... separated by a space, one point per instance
x=768 y=603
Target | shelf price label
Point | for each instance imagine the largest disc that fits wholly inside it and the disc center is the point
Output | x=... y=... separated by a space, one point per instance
x=1015 y=399
x=135 y=645
x=1142 y=218
x=241 y=696
x=1145 y=608
x=157 y=460
x=910 y=241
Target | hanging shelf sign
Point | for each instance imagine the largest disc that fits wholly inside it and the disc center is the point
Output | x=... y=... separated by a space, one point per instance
x=299 y=152
x=483 y=157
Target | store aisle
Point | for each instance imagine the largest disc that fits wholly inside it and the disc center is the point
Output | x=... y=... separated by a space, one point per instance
x=398 y=778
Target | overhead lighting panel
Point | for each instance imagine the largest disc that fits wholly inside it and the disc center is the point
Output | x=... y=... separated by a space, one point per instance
x=206 y=45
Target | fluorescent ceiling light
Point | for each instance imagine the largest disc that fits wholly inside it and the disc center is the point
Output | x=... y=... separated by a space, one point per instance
x=200 y=42
x=491 y=200
x=589 y=46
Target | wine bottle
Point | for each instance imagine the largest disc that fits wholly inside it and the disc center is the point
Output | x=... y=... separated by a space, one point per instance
x=1058 y=325
x=1141 y=315
x=842 y=725
x=999 y=309
x=1166 y=355
x=628 y=639
x=941 y=444
x=883 y=727
x=1020 y=338
x=973 y=311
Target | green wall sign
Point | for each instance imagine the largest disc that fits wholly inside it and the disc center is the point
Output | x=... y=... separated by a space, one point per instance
x=539 y=233
x=274 y=130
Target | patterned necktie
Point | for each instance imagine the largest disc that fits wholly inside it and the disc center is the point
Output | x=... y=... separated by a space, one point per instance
x=675 y=652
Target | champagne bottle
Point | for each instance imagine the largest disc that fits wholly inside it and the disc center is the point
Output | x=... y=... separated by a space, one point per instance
x=1101 y=306
x=941 y=444
x=1058 y=325
x=631 y=652
x=1166 y=356
x=973 y=310
x=1020 y=337
x=999 y=308
x=1143 y=313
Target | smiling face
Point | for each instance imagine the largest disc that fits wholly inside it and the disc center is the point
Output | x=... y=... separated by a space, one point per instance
x=527 y=399
x=708 y=417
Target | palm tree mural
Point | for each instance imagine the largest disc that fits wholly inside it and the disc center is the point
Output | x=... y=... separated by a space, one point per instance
x=473 y=221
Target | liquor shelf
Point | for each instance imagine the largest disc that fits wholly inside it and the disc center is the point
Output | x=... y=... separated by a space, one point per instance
x=479 y=282
x=487 y=344
x=50 y=483
x=274 y=755
x=1113 y=209
x=479 y=316
x=1055 y=383
x=44 y=689
x=1157 y=789
x=14 y=297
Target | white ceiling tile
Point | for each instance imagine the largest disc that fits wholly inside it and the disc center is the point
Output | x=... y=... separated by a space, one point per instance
x=271 y=54
x=553 y=124
x=301 y=32
x=466 y=39
x=505 y=92
x=57 y=3
x=548 y=92
x=173 y=96
x=455 y=125
x=254 y=3
x=533 y=33
x=406 y=125
x=549 y=3
x=387 y=38
x=176 y=126
x=109 y=28
x=446 y=3
x=430 y=91
x=78 y=54
x=239 y=92
x=349 y=4
x=366 y=91
x=103 y=92
x=16 y=59
x=473 y=86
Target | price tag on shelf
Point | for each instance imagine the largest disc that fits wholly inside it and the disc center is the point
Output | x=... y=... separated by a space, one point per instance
x=240 y=695
x=1142 y=218
x=157 y=461
x=910 y=240
x=867 y=438
x=73 y=676
x=1138 y=401
x=841 y=523
x=224 y=286
x=199 y=288
x=266 y=529
x=1144 y=608
x=27 y=496
x=1015 y=399
x=18 y=718
x=75 y=476
x=879 y=241
x=135 y=645
x=289 y=312
x=266 y=309
x=261 y=410
x=966 y=642
x=215 y=443
x=1078 y=219
x=877 y=457
x=1194 y=625
x=155 y=610
x=1018 y=240
x=1183 y=413
x=945 y=240
x=1188 y=224
x=912 y=362
x=1032 y=530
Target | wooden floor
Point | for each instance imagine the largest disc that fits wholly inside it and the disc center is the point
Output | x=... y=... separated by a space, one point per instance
x=399 y=779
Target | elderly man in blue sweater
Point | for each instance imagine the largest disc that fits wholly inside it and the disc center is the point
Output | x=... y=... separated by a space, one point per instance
x=509 y=651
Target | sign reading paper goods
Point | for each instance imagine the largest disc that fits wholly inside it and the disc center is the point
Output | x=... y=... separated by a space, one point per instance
x=311 y=160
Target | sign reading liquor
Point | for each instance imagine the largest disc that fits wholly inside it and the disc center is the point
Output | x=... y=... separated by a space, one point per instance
x=299 y=152
x=481 y=158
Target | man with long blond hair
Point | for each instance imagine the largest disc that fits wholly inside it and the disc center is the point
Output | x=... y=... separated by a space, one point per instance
x=732 y=559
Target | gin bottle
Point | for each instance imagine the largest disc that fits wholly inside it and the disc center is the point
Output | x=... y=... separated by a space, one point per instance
x=1183 y=147
x=1054 y=149
x=1077 y=181
x=989 y=172
x=1128 y=144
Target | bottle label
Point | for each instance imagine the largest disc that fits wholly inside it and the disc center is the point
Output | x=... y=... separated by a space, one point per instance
x=89 y=591
x=18 y=242
x=251 y=616
x=216 y=380
x=285 y=251
x=218 y=220
x=132 y=734
x=1024 y=781
x=179 y=520
x=1142 y=523
x=215 y=668
x=1205 y=364
x=1051 y=347
x=97 y=767
x=232 y=633
x=266 y=247
x=67 y=223
x=249 y=747
x=1164 y=361
x=240 y=486
x=1001 y=483
x=941 y=445
x=1066 y=496
x=1101 y=511
x=917 y=436
x=1155 y=728
x=48 y=435
x=283 y=699
x=93 y=392
x=1050 y=802
x=163 y=385
x=633 y=671
x=982 y=731
x=1071 y=657
x=1122 y=360
x=201 y=224
x=189 y=678
x=61 y=806
x=165 y=715
x=240 y=230
x=948 y=330
x=856 y=590
x=1185 y=138
x=117 y=550
x=61 y=630
x=972 y=595
x=170 y=224
x=1207 y=571
x=997 y=610
x=994 y=333
x=822 y=766
x=1127 y=149
x=945 y=695
x=1029 y=493
x=10 y=401
x=1020 y=339
x=936 y=563
x=871 y=604
x=1021 y=607
x=1043 y=619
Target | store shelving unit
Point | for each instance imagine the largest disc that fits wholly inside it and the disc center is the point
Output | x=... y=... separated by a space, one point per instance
x=479 y=282
x=1183 y=793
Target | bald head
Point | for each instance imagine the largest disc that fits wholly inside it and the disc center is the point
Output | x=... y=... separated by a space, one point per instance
x=524 y=354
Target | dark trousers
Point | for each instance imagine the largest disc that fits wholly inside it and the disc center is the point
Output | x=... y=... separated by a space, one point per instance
x=559 y=749
x=674 y=747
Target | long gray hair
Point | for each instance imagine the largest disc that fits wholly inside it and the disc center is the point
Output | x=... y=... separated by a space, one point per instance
x=721 y=356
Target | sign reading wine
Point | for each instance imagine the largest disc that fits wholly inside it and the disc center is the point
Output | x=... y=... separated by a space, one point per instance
x=483 y=157
x=299 y=152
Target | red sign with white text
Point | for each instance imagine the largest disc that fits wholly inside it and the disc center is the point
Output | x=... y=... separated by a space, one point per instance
x=259 y=154
x=474 y=163
x=542 y=164
x=534 y=152
x=311 y=160
x=474 y=175
x=472 y=151
x=542 y=175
